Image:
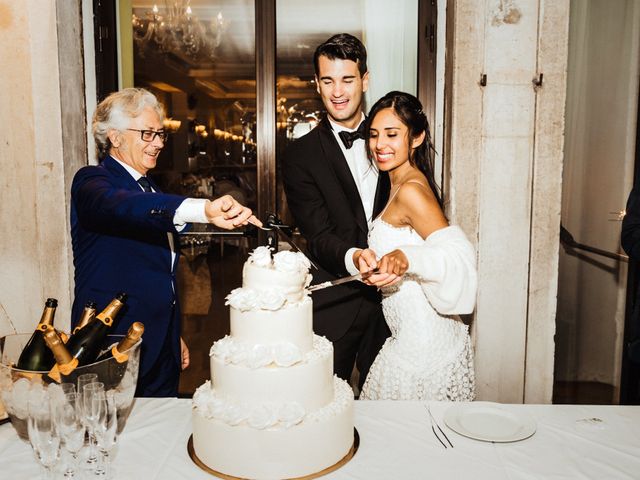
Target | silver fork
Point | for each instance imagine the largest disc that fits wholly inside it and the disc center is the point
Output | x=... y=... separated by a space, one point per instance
x=433 y=429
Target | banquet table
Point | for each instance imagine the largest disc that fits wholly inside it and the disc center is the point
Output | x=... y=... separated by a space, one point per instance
x=396 y=442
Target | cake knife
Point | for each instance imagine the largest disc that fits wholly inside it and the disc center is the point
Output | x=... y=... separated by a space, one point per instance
x=290 y=241
x=340 y=281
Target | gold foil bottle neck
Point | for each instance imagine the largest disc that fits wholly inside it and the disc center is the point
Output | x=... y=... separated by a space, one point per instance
x=88 y=314
x=109 y=313
x=48 y=314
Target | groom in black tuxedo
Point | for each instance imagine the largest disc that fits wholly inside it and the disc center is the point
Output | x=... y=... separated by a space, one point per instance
x=334 y=192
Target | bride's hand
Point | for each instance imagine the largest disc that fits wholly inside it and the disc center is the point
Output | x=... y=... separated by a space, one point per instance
x=391 y=268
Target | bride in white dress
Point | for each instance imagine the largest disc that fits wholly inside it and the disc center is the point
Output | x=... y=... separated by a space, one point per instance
x=426 y=268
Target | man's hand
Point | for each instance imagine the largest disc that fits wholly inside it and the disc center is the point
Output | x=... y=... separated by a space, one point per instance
x=366 y=261
x=225 y=212
x=184 y=354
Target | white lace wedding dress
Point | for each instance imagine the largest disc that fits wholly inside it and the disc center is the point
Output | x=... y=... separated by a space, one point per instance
x=429 y=355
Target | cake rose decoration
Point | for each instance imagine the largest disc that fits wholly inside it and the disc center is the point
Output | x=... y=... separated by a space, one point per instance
x=228 y=350
x=290 y=414
x=261 y=257
x=276 y=415
x=286 y=354
x=263 y=417
x=271 y=299
x=290 y=262
x=234 y=414
x=243 y=299
x=259 y=356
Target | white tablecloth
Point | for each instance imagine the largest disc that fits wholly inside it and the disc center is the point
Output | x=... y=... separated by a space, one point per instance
x=396 y=442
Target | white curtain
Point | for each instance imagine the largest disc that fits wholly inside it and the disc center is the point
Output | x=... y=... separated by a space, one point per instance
x=391 y=37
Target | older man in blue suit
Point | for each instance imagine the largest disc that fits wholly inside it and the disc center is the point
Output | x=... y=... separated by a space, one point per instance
x=123 y=228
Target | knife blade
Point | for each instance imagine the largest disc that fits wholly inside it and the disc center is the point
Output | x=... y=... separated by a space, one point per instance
x=290 y=241
x=340 y=281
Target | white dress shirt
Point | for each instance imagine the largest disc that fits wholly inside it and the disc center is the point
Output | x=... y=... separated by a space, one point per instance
x=189 y=211
x=365 y=175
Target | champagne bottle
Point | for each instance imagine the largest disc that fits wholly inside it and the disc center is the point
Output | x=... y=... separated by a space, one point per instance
x=87 y=315
x=85 y=344
x=65 y=362
x=114 y=369
x=35 y=355
x=119 y=351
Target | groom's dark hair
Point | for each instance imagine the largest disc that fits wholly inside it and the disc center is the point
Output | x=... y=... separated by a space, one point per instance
x=342 y=46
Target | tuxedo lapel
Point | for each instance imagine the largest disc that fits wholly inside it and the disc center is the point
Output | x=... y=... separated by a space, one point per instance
x=335 y=158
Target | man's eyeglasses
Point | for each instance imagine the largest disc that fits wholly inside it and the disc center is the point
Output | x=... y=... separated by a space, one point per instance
x=150 y=135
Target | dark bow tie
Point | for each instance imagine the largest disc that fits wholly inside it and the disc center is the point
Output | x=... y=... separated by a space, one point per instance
x=349 y=137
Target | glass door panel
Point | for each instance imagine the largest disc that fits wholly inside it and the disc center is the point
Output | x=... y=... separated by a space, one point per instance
x=390 y=34
x=198 y=57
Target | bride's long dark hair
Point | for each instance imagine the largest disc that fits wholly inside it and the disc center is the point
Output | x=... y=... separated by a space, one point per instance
x=409 y=110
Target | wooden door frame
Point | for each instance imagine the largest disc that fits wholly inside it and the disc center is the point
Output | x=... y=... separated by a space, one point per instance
x=265 y=25
x=106 y=47
x=427 y=61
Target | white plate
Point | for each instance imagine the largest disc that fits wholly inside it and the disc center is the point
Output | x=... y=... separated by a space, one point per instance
x=489 y=422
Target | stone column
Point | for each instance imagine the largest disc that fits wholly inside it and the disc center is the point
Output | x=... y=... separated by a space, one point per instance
x=504 y=177
x=35 y=243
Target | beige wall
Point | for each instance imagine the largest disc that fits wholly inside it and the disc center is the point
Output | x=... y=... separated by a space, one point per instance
x=504 y=175
x=34 y=243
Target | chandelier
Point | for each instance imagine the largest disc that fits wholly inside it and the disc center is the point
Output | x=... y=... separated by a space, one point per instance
x=177 y=30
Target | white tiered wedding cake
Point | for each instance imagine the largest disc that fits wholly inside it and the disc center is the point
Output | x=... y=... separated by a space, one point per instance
x=273 y=408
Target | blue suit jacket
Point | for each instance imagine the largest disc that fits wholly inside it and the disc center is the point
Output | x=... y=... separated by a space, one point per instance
x=120 y=244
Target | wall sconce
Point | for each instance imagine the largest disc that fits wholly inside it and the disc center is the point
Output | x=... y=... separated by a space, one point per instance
x=223 y=135
x=171 y=125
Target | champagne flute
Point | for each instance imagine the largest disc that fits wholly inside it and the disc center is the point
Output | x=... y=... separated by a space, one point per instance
x=68 y=416
x=83 y=380
x=86 y=379
x=58 y=391
x=106 y=430
x=43 y=434
x=88 y=391
x=68 y=387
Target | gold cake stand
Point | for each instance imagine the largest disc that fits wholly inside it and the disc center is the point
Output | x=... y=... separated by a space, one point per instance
x=352 y=451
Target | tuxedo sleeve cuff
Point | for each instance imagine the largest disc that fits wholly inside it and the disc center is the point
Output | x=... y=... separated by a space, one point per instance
x=348 y=261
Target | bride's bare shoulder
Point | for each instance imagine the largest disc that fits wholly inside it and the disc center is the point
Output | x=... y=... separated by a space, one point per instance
x=420 y=207
x=417 y=191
